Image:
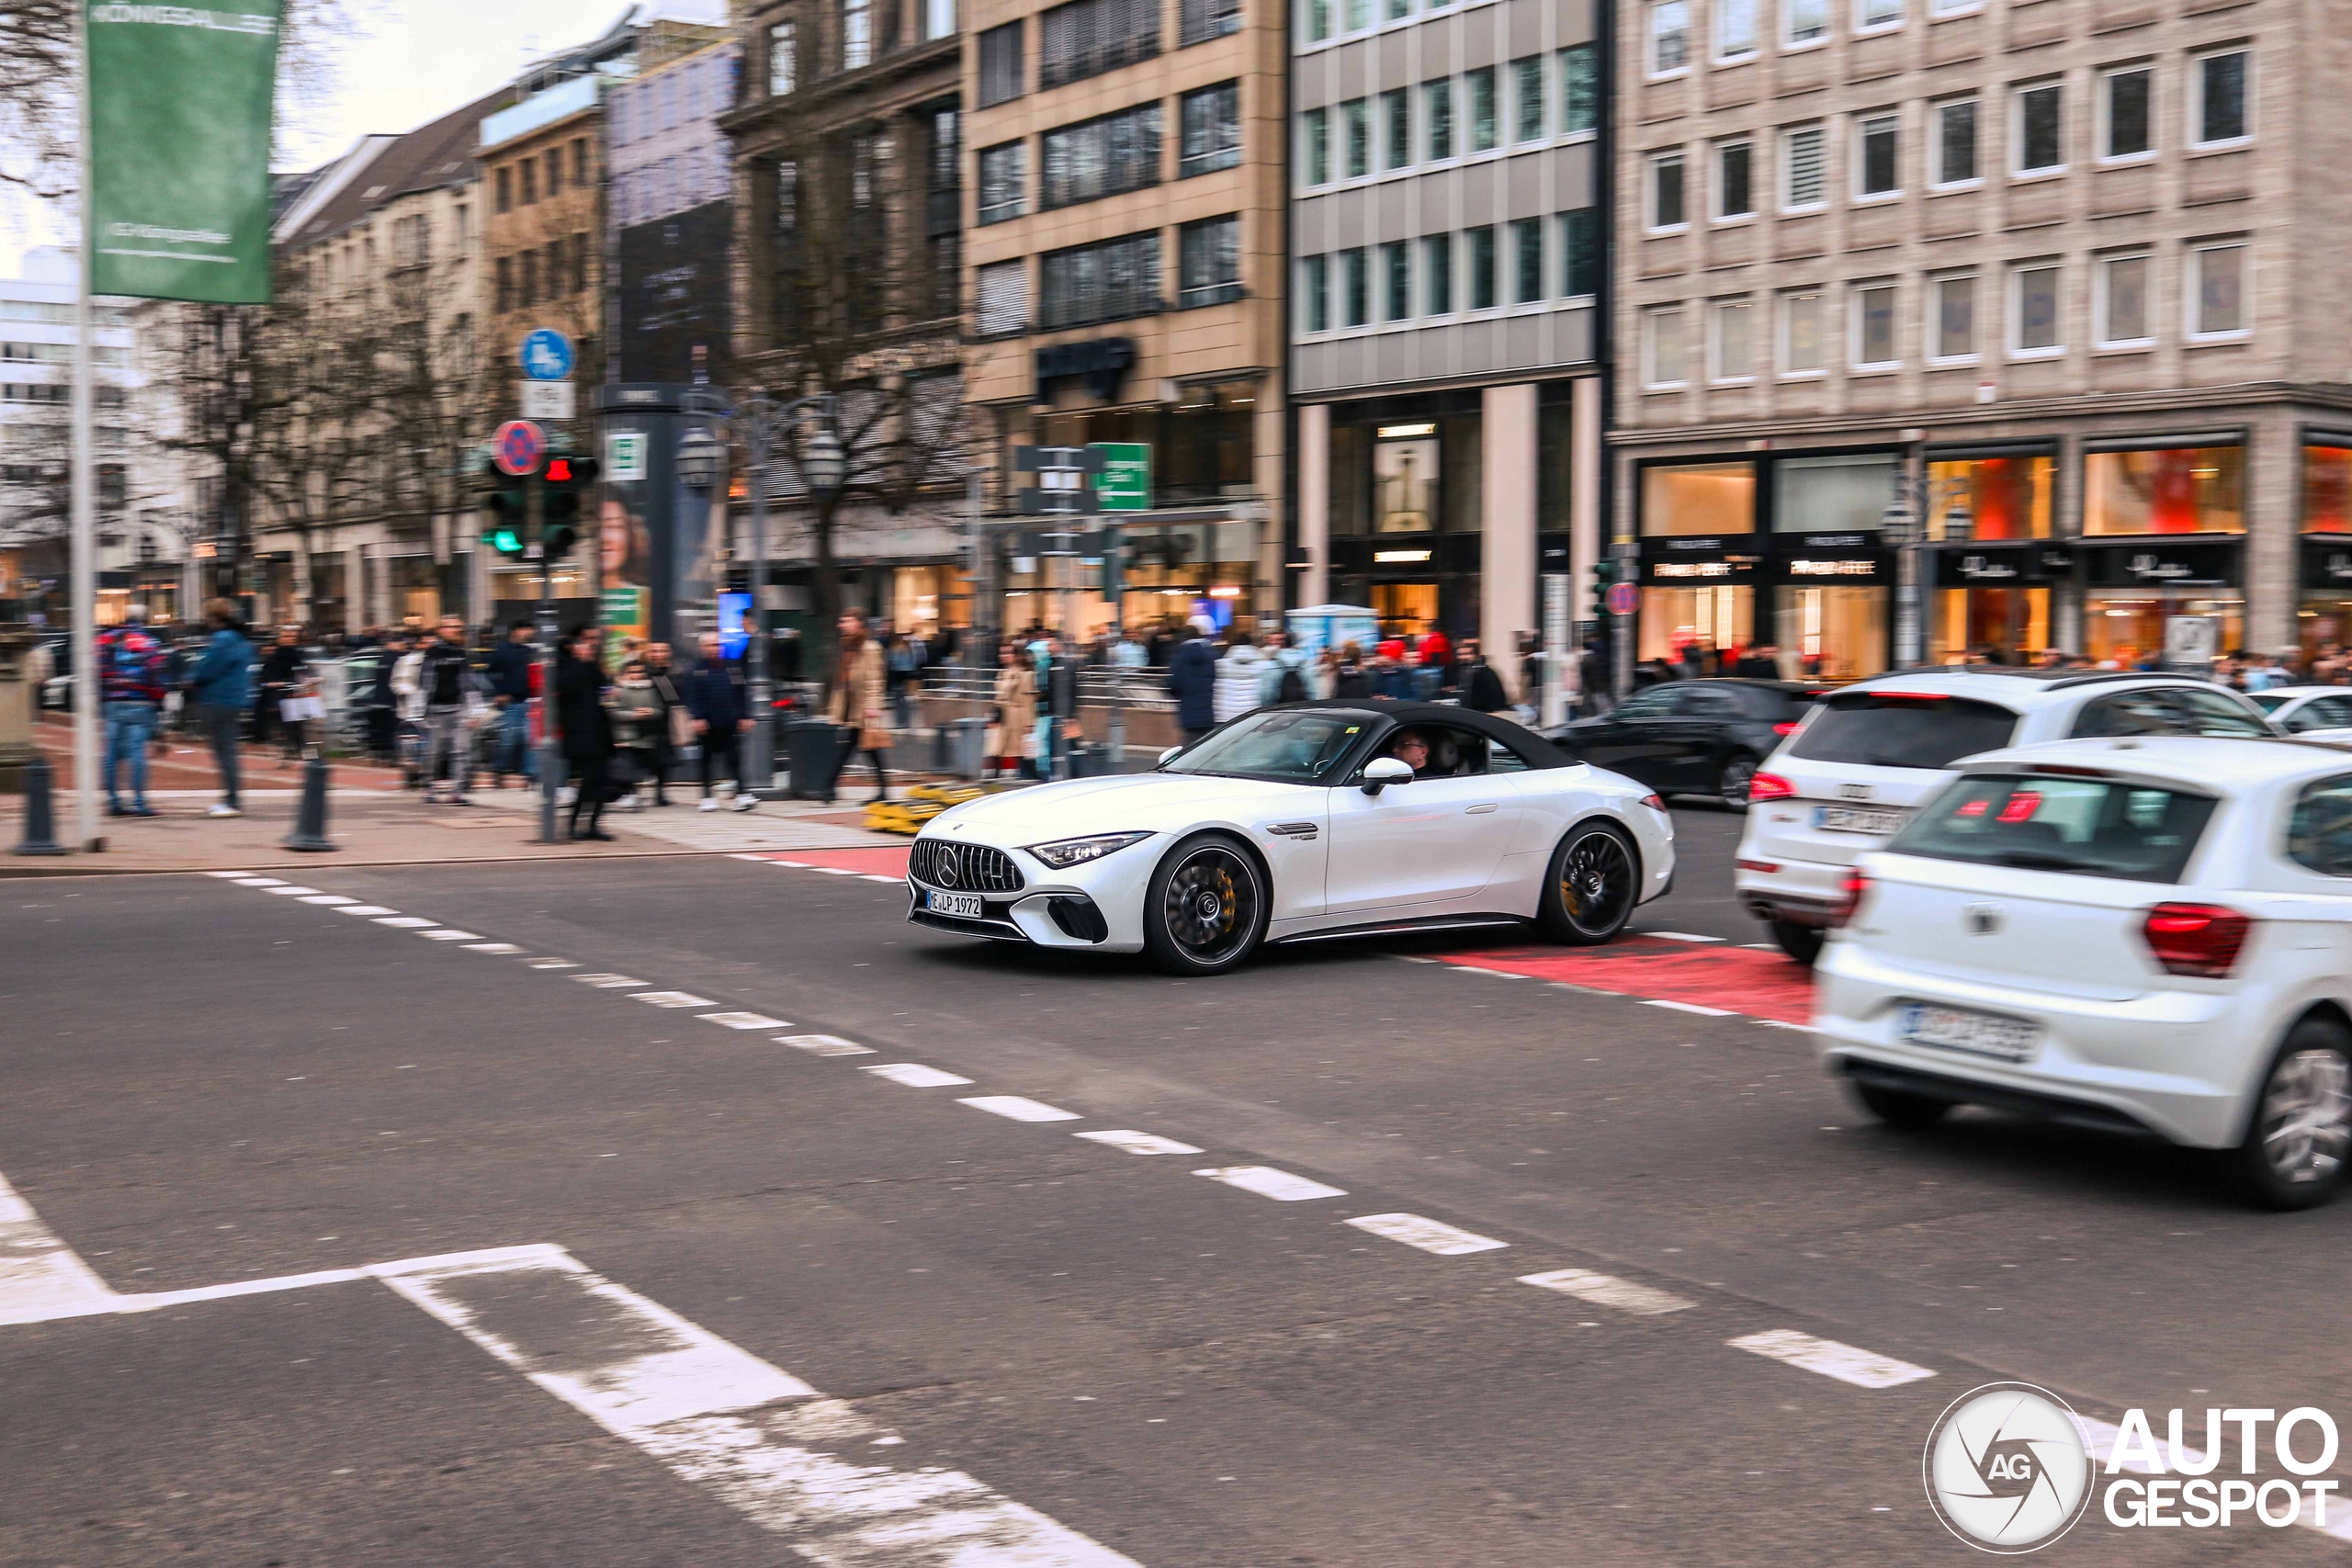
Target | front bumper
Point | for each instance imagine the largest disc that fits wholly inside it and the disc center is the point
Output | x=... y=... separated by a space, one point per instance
x=2177 y=1062
x=1095 y=908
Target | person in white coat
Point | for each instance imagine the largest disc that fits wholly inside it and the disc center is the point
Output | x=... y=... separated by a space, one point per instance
x=1236 y=677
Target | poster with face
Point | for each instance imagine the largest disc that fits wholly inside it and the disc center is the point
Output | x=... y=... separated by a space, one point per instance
x=1404 y=486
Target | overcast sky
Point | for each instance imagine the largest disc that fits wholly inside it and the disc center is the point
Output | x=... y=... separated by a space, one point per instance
x=415 y=60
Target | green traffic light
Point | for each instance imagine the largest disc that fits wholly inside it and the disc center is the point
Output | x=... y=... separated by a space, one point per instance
x=506 y=542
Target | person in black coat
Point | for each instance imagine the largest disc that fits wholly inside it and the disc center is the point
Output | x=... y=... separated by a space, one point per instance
x=1482 y=688
x=586 y=728
x=1191 y=680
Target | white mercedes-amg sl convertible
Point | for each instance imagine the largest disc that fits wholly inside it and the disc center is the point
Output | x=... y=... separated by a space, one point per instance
x=1301 y=822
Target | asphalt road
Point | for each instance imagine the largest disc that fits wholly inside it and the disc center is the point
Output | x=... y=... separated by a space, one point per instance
x=731 y=1296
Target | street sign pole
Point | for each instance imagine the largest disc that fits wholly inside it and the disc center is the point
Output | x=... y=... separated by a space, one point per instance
x=535 y=529
x=756 y=766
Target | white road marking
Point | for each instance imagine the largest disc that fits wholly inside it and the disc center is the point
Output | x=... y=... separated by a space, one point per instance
x=607 y=982
x=914 y=1074
x=824 y=1044
x=1268 y=1182
x=407 y=922
x=1607 y=1290
x=551 y=963
x=450 y=933
x=366 y=909
x=1781 y=1023
x=292 y=890
x=1429 y=1236
x=239 y=1288
x=261 y=882
x=41 y=1277
x=1864 y=1368
x=752 y=1434
x=1688 y=1007
x=835 y=871
x=742 y=1020
x=330 y=900
x=500 y=948
x=1018 y=1108
x=1679 y=936
x=672 y=1000
x=226 y=875
x=1137 y=1143
x=893 y=881
x=1492 y=974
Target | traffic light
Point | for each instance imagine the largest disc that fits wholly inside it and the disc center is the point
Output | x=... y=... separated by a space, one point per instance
x=502 y=502
x=1604 y=573
x=566 y=482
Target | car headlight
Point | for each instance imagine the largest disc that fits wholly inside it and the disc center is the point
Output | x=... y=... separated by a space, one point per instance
x=1063 y=853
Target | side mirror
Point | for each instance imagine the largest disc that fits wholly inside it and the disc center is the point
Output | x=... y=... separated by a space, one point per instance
x=1169 y=753
x=1382 y=771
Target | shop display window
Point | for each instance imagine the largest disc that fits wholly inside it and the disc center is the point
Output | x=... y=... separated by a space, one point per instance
x=1699 y=498
x=2164 y=490
x=2327 y=489
x=2008 y=498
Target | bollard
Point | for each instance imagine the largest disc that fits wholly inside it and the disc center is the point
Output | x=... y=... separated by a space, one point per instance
x=311 y=827
x=40 y=832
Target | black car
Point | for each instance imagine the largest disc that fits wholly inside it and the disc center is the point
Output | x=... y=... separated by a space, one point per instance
x=1690 y=737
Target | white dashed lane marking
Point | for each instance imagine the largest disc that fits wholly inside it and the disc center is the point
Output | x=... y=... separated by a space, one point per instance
x=914 y=1074
x=551 y=963
x=498 y=949
x=824 y=1044
x=1678 y=936
x=293 y=890
x=838 y=871
x=1688 y=1007
x=449 y=933
x=260 y=882
x=1268 y=1182
x=609 y=982
x=406 y=923
x=1607 y=1290
x=1864 y=1368
x=227 y=875
x=744 y=1020
x=366 y=909
x=1018 y=1108
x=330 y=901
x=1137 y=1143
x=672 y=998
x=1429 y=1236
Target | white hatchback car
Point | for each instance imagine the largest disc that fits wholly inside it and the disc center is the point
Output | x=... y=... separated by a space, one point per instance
x=2298 y=709
x=2146 y=934
x=1866 y=755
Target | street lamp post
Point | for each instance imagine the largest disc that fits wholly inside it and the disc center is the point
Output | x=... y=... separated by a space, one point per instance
x=1904 y=525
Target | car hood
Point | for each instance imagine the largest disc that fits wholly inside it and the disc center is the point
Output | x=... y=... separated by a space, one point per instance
x=1150 y=802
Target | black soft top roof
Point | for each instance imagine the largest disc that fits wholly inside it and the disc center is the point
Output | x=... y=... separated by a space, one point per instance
x=1539 y=753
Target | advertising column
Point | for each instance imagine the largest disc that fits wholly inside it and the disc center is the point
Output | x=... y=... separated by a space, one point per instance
x=654 y=539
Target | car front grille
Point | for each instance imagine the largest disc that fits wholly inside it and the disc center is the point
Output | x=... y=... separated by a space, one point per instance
x=968 y=868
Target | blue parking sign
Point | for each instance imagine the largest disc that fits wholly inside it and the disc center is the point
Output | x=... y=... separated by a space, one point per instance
x=547 y=355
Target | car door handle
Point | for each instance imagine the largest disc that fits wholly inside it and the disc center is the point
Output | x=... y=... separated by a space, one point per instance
x=1481 y=808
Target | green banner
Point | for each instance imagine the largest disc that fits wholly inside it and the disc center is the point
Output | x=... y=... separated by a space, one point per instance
x=1124 y=483
x=178 y=182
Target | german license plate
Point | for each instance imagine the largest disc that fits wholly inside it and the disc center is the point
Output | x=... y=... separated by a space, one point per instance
x=1856 y=819
x=1978 y=1033
x=961 y=905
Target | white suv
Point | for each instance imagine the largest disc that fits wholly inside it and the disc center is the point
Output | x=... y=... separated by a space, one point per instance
x=2150 y=935
x=1867 y=754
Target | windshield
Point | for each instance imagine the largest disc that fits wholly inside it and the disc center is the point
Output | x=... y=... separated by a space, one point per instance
x=1888 y=731
x=1284 y=745
x=2136 y=832
x=2270 y=702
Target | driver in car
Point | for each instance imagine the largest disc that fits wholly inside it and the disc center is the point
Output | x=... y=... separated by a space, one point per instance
x=1412 y=748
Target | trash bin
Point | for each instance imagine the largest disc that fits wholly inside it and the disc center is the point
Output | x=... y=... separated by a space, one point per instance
x=968 y=740
x=815 y=753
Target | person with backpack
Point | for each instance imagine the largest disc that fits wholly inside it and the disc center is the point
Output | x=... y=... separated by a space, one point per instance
x=218 y=688
x=1285 y=676
x=130 y=685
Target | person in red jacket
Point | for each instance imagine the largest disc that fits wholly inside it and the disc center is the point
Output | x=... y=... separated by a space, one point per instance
x=131 y=664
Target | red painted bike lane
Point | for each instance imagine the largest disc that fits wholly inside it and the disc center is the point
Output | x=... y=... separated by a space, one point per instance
x=1731 y=979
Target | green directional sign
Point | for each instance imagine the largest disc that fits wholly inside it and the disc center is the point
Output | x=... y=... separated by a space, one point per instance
x=1124 y=483
x=180 y=100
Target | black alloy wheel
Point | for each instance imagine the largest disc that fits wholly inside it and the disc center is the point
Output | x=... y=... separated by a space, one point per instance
x=1731 y=783
x=1207 y=908
x=1594 y=886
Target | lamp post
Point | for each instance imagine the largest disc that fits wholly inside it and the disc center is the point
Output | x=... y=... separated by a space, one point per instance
x=823 y=464
x=1902 y=525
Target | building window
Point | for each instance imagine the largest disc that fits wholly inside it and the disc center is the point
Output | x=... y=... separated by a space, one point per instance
x=2167 y=490
x=1581 y=253
x=1086 y=38
x=1004 y=182
x=1399 y=9
x=1527 y=88
x=1802 y=349
x=1318 y=21
x=1731 y=346
x=1877 y=15
x=1198 y=21
x=1669 y=36
x=1804 y=169
x=1667 y=207
x=1212 y=129
x=1315 y=145
x=1437 y=273
x=2121 y=307
x=1877 y=165
x=1734 y=179
x=1315 y=293
x=1101 y=157
x=504 y=180
x=555 y=173
x=1735 y=28
x=505 y=284
x=1397 y=125
x=1355 y=137
x=526 y=291
x=1580 y=90
x=1954 y=7
x=1482 y=267
x=1107 y=281
x=529 y=169
x=938 y=20
x=1001 y=299
x=1804 y=22
x=784 y=60
x=580 y=162
x=1355 y=288
x=1952 y=329
x=1209 y=261
x=1485 y=134
x=858 y=33
x=2036 y=130
x=1664 y=352
x=2034 y=328
x=2218 y=298
x=580 y=264
x=1000 y=64
x=2220 y=110
x=1437 y=110
x=1527 y=252
x=1396 y=280
x=1955 y=148
x=1874 y=327
x=2127 y=121
x=788 y=195
x=1359 y=14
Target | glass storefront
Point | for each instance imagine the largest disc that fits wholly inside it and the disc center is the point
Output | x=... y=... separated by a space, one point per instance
x=2123 y=626
x=1406 y=609
x=2008 y=498
x=1691 y=498
x=2013 y=623
x=1713 y=617
x=1986 y=596
x=1837 y=634
x=1831 y=495
x=2164 y=490
x=2327 y=489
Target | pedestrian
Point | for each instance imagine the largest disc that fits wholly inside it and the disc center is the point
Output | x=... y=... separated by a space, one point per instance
x=714 y=693
x=510 y=688
x=1191 y=680
x=638 y=720
x=1016 y=713
x=1285 y=678
x=902 y=669
x=218 y=688
x=280 y=671
x=445 y=678
x=586 y=729
x=410 y=696
x=1482 y=686
x=1236 y=675
x=1349 y=680
x=675 y=728
x=861 y=687
x=132 y=677
x=377 y=702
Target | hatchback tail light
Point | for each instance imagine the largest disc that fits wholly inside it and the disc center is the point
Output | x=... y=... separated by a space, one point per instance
x=2198 y=940
x=1770 y=786
x=1787 y=727
x=1857 y=888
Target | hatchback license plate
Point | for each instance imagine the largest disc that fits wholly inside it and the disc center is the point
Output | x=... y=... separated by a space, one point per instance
x=1978 y=1033
x=962 y=906
x=1856 y=819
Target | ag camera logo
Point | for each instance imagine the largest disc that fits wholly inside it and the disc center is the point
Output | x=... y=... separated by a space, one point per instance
x=2008 y=1468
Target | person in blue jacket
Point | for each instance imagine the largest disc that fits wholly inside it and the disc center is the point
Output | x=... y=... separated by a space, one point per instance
x=1191 y=680
x=220 y=689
